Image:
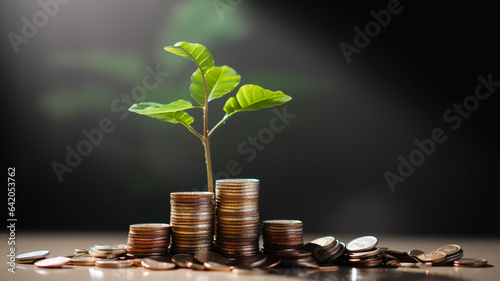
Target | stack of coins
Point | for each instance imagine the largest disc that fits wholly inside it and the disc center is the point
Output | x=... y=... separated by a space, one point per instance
x=237 y=210
x=192 y=220
x=325 y=250
x=281 y=235
x=362 y=252
x=148 y=239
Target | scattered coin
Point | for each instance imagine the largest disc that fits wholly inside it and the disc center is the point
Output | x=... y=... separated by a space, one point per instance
x=217 y=266
x=81 y=251
x=83 y=260
x=242 y=271
x=181 y=259
x=114 y=263
x=30 y=257
x=470 y=262
x=415 y=252
x=157 y=264
x=207 y=256
x=270 y=262
x=194 y=264
x=363 y=243
x=249 y=261
x=432 y=257
x=53 y=262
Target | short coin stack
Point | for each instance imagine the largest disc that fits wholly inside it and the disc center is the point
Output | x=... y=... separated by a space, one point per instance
x=192 y=220
x=326 y=250
x=108 y=251
x=237 y=210
x=282 y=234
x=362 y=252
x=148 y=239
x=453 y=252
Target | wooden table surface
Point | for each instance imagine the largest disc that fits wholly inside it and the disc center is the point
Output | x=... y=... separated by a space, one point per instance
x=65 y=243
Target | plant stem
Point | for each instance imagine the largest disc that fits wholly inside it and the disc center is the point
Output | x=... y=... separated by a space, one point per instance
x=206 y=138
x=206 y=145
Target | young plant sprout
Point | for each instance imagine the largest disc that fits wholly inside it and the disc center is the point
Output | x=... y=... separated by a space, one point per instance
x=208 y=83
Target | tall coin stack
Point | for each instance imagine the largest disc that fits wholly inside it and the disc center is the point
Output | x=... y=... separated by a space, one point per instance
x=148 y=239
x=282 y=235
x=237 y=211
x=192 y=221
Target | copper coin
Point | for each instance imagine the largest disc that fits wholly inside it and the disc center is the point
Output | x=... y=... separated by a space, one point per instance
x=207 y=256
x=181 y=259
x=251 y=261
x=194 y=264
x=157 y=264
x=53 y=262
x=216 y=266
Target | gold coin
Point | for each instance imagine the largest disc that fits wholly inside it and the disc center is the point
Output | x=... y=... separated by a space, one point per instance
x=114 y=263
x=433 y=257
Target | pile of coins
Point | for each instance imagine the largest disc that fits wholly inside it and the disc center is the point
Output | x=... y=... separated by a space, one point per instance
x=192 y=221
x=452 y=253
x=237 y=211
x=282 y=235
x=148 y=239
x=362 y=252
x=326 y=250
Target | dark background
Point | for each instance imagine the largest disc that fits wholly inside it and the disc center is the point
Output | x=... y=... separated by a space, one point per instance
x=326 y=167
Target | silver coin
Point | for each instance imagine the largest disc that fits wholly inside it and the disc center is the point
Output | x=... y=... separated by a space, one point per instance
x=363 y=243
x=34 y=255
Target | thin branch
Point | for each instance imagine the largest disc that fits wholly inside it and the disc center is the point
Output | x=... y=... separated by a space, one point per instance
x=218 y=125
x=194 y=132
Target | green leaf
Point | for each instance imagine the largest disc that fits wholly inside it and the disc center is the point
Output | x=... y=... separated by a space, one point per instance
x=220 y=81
x=195 y=52
x=172 y=112
x=252 y=97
